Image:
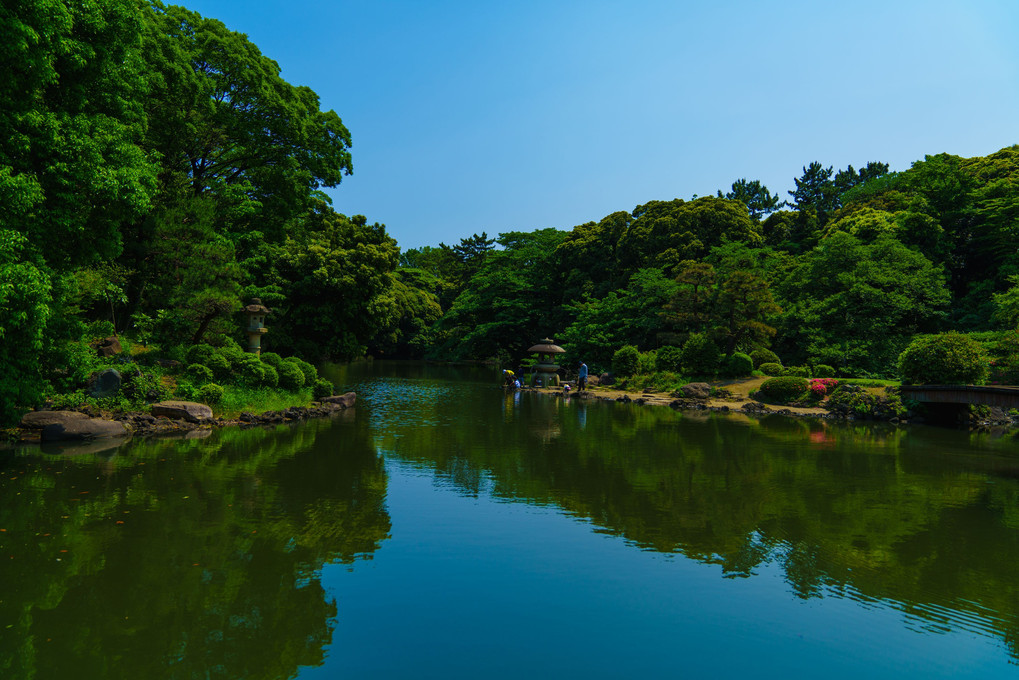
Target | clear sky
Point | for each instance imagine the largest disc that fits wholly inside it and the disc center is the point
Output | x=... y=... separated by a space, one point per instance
x=473 y=116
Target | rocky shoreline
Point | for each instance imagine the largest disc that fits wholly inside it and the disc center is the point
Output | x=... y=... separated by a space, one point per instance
x=172 y=418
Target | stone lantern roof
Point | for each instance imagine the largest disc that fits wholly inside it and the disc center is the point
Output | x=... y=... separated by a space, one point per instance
x=256 y=307
x=547 y=347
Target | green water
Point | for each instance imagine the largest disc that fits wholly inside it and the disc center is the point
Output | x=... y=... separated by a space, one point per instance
x=446 y=529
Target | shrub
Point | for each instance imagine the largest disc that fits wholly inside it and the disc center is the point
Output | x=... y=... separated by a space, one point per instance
x=142 y=386
x=646 y=362
x=199 y=354
x=739 y=365
x=668 y=358
x=321 y=389
x=290 y=376
x=820 y=387
x=219 y=366
x=764 y=356
x=771 y=369
x=625 y=361
x=948 y=358
x=1005 y=367
x=210 y=393
x=798 y=371
x=823 y=371
x=309 y=371
x=270 y=377
x=272 y=359
x=234 y=354
x=250 y=371
x=700 y=356
x=198 y=374
x=784 y=389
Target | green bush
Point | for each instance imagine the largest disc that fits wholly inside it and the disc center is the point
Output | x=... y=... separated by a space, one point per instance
x=739 y=365
x=309 y=371
x=945 y=359
x=291 y=377
x=198 y=374
x=270 y=376
x=1005 y=366
x=199 y=354
x=700 y=356
x=210 y=393
x=771 y=369
x=142 y=386
x=219 y=366
x=668 y=358
x=823 y=371
x=784 y=389
x=250 y=371
x=646 y=362
x=272 y=359
x=234 y=354
x=798 y=371
x=625 y=361
x=764 y=356
x=321 y=389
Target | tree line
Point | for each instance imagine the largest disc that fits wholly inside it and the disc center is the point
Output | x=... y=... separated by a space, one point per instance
x=156 y=172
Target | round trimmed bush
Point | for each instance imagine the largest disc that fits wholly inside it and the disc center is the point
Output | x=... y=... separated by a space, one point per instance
x=668 y=359
x=234 y=354
x=210 y=393
x=625 y=361
x=198 y=374
x=199 y=354
x=798 y=371
x=272 y=359
x=219 y=365
x=309 y=371
x=945 y=359
x=291 y=377
x=771 y=369
x=784 y=389
x=764 y=356
x=823 y=371
x=321 y=389
x=700 y=356
x=270 y=378
x=250 y=371
x=739 y=365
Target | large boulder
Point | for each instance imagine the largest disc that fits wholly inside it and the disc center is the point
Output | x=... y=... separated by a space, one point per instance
x=105 y=383
x=109 y=346
x=345 y=400
x=71 y=425
x=191 y=411
x=698 y=390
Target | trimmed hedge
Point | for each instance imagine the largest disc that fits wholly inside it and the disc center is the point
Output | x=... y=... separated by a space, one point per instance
x=764 y=356
x=291 y=377
x=625 y=361
x=945 y=359
x=784 y=389
x=823 y=371
x=739 y=365
x=771 y=369
x=700 y=356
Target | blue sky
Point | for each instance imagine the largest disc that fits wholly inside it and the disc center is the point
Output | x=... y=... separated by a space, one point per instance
x=502 y=116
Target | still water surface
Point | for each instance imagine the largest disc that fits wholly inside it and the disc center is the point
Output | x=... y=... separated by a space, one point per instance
x=446 y=529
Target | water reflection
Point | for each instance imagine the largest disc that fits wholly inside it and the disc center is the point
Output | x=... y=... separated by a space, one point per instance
x=188 y=558
x=922 y=519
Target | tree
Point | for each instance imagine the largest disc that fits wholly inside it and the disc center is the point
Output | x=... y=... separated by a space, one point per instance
x=587 y=256
x=816 y=191
x=946 y=359
x=1006 y=304
x=744 y=307
x=754 y=195
x=854 y=305
x=226 y=124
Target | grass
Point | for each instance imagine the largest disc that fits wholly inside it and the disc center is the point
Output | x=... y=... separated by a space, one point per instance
x=258 y=400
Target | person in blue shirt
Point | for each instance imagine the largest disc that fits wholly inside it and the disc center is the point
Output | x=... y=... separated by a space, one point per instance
x=582 y=377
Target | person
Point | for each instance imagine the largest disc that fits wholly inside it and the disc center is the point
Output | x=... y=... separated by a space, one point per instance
x=516 y=384
x=508 y=377
x=582 y=377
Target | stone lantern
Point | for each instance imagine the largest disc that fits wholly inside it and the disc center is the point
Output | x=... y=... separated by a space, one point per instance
x=256 y=324
x=546 y=370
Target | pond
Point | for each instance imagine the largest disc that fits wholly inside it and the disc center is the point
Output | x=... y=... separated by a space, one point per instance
x=445 y=528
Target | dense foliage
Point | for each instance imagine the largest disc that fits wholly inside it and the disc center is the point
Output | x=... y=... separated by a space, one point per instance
x=156 y=172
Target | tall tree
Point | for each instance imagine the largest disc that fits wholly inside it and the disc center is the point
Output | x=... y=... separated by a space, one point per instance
x=754 y=195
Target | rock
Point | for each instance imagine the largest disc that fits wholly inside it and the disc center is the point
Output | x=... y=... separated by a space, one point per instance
x=606 y=379
x=754 y=406
x=37 y=420
x=698 y=390
x=172 y=364
x=71 y=425
x=182 y=410
x=105 y=383
x=247 y=417
x=109 y=346
x=345 y=400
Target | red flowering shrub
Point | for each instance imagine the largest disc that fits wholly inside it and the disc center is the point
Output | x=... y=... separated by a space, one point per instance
x=820 y=387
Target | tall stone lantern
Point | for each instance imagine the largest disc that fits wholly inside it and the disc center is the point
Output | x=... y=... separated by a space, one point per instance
x=256 y=312
x=545 y=371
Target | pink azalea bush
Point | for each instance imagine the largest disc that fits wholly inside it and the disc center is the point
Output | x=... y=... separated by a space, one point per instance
x=821 y=387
